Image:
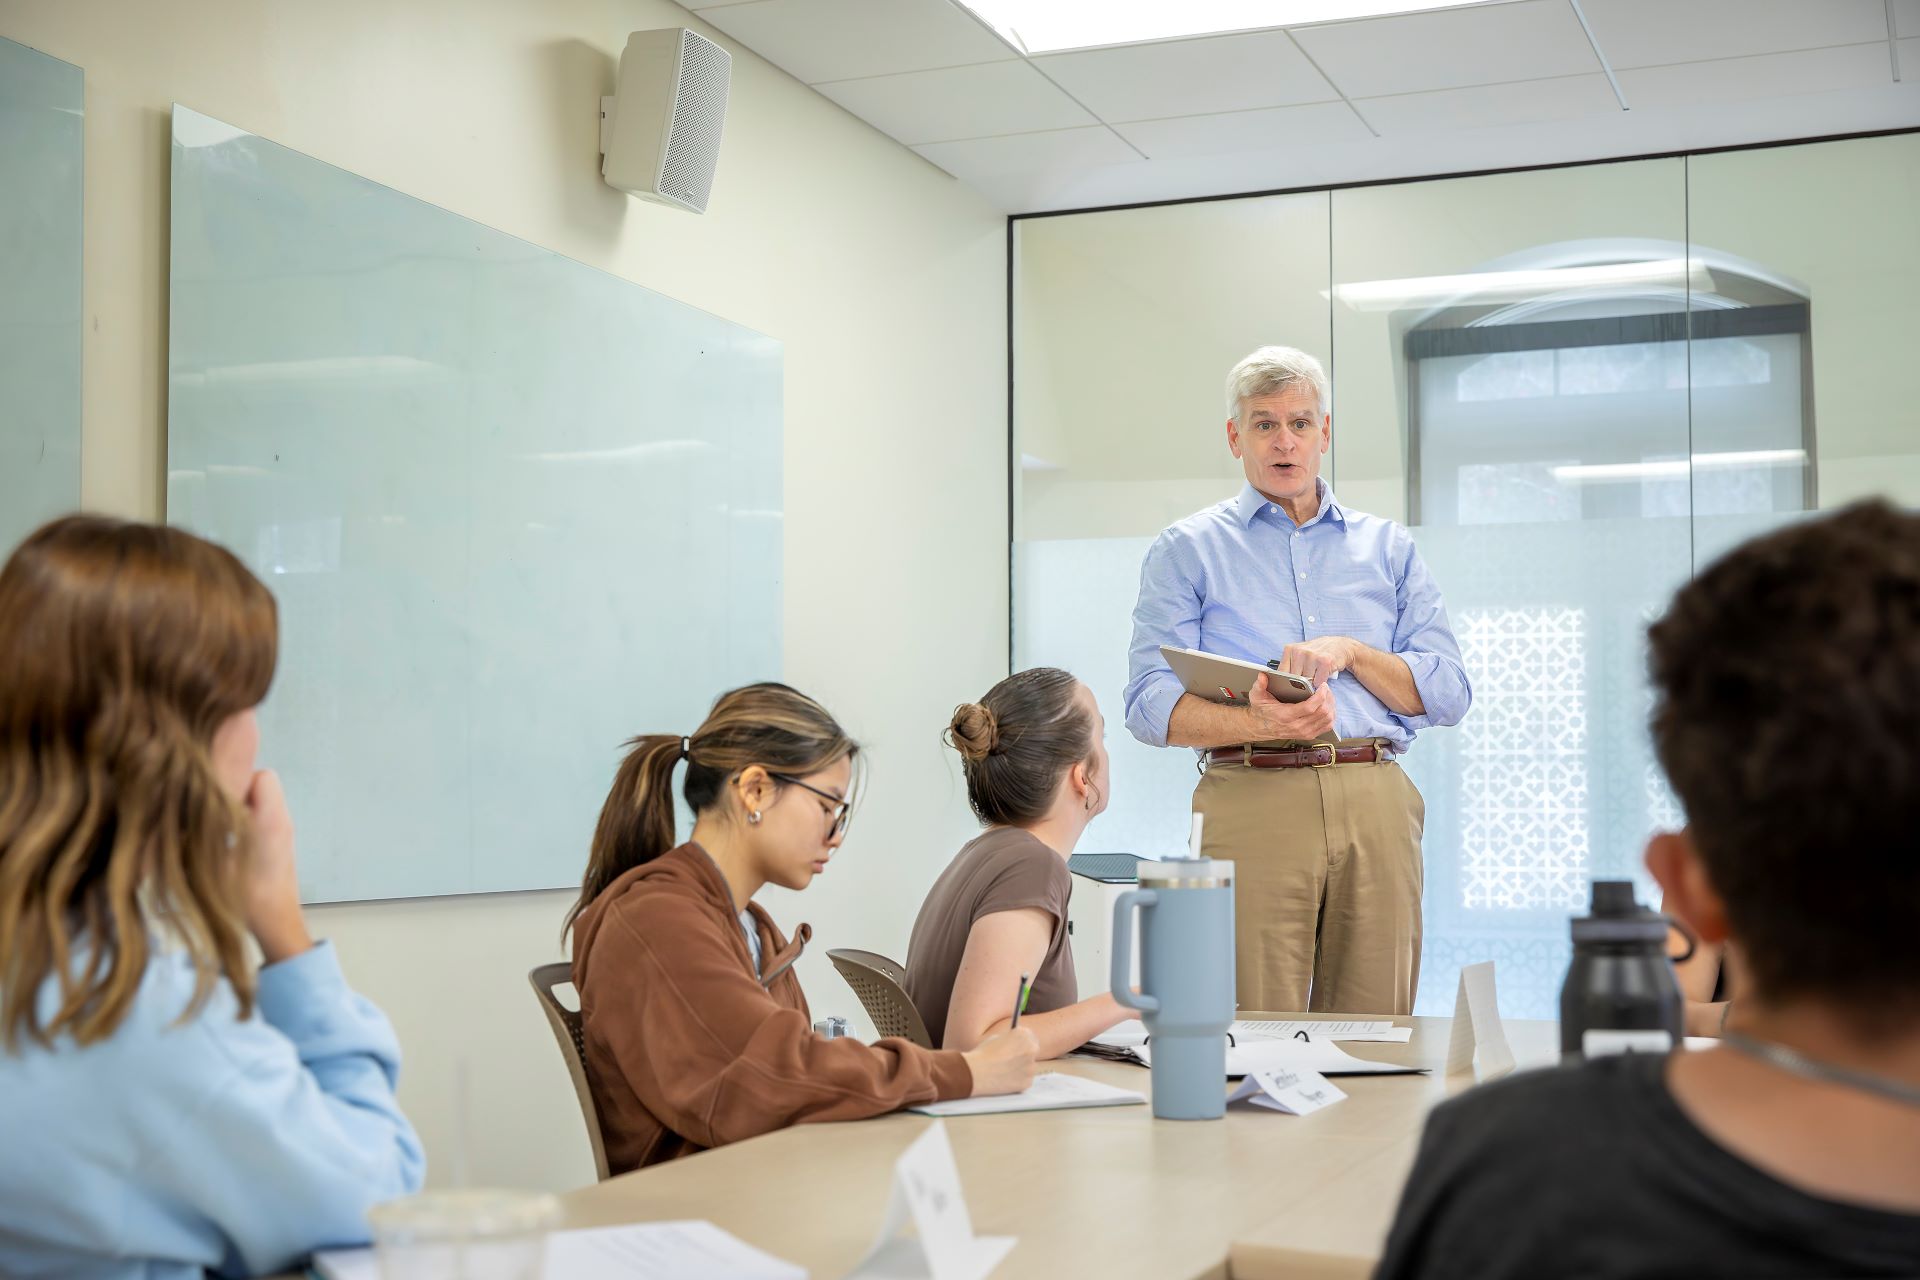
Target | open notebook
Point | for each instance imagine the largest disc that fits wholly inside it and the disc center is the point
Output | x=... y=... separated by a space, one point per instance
x=1256 y=1046
x=1050 y=1091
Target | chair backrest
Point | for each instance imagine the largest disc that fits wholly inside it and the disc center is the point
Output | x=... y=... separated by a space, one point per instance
x=882 y=987
x=573 y=1047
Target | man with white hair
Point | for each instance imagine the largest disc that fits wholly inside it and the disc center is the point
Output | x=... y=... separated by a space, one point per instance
x=1323 y=826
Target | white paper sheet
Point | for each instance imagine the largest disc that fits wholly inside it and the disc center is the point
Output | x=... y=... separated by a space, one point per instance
x=1050 y=1091
x=640 y=1251
x=1123 y=1035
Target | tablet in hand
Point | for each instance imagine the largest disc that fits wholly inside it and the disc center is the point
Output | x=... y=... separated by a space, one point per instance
x=1230 y=680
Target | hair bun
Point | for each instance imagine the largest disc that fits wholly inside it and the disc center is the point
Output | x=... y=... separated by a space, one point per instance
x=973 y=731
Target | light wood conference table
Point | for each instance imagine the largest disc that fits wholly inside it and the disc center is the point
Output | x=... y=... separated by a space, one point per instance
x=1104 y=1191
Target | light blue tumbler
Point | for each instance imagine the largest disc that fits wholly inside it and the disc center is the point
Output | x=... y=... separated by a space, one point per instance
x=1186 y=979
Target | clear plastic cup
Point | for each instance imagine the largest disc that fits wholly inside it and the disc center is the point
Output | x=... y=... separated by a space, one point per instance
x=464 y=1235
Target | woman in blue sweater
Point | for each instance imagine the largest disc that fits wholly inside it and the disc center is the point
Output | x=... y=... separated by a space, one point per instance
x=165 y=1108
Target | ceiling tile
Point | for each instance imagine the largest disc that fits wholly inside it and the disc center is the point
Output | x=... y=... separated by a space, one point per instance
x=815 y=40
x=958 y=102
x=1651 y=33
x=1906 y=17
x=1482 y=106
x=1189 y=77
x=698 y=5
x=1056 y=149
x=1909 y=60
x=1268 y=130
x=1771 y=75
x=1452 y=48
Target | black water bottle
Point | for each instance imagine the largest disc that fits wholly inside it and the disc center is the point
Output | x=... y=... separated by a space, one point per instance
x=1621 y=995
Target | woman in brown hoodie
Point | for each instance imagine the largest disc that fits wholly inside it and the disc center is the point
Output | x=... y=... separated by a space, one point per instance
x=697 y=1032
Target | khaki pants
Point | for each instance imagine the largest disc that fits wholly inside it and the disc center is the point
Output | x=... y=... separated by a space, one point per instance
x=1327 y=878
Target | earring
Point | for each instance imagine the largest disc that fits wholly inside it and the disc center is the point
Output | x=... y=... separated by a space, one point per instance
x=753 y=818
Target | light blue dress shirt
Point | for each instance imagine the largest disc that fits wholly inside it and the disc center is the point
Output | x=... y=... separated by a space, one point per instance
x=1241 y=580
x=225 y=1144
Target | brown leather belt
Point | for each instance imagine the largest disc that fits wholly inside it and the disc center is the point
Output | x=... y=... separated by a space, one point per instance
x=1321 y=756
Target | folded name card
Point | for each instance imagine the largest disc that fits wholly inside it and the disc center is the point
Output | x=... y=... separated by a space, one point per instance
x=1296 y=1091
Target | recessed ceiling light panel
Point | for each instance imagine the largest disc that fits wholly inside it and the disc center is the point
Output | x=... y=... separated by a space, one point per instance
x=1050 y=26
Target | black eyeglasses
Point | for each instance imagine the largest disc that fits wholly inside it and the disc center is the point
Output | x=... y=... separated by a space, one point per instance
x=843 y=810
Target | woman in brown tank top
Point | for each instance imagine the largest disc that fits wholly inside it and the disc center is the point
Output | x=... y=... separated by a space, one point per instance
x=1036 y=776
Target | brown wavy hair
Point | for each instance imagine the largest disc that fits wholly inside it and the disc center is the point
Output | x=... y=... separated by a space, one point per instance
x=125 y=647
x=776 y=727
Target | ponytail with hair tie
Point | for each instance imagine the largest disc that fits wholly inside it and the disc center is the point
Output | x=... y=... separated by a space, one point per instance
x=770 y=725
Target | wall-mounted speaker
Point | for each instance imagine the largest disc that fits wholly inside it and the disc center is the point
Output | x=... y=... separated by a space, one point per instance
x=660 y=131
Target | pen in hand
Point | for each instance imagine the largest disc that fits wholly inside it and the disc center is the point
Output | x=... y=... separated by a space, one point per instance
x=1020 y=1002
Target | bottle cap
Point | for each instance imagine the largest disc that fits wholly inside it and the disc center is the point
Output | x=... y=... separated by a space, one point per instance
x=1617 y=917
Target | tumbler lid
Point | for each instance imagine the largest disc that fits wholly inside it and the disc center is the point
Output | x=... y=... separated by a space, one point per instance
x=1186 y=873
x=1617 y=917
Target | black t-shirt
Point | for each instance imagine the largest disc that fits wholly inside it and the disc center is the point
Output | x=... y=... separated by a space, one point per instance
x=1594 y=1171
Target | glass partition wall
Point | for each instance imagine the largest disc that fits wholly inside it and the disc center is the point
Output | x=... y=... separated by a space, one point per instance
x=1125 y=325
x=1511 y=376
x=1574 y=385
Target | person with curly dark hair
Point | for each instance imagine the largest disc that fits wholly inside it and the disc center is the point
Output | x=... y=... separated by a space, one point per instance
x=1788 y=681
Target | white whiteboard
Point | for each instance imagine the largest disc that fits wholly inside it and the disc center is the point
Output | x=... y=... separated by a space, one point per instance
x=515 y=510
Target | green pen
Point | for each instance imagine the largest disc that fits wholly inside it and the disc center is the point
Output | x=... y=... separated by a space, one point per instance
x=1020 y=1003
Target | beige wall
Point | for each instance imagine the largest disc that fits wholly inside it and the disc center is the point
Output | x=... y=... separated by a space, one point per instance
x=883 y=278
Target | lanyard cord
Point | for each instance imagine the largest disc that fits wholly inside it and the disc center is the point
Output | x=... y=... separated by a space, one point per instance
x=1797 y=1063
